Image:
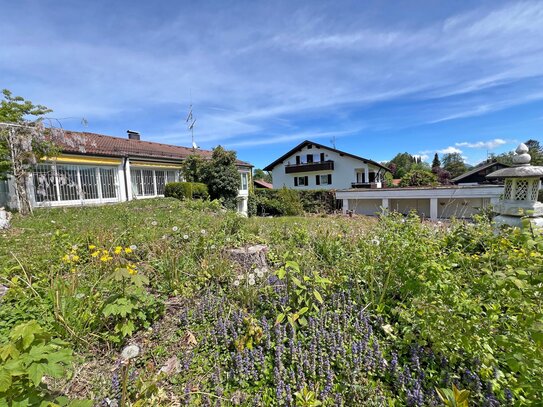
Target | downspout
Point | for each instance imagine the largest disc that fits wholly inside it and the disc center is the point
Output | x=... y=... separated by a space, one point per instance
x=125 y=162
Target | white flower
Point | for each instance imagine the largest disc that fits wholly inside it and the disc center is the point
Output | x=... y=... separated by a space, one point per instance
x=74 y=247
x=175 y=229
x=53 y=221
x=164 y=237
x=154 y=223
x=186 y=237
x=240 y=277
x=212 y=246
x=203 y=231
x=260 y=273
x=130 y=352
x=236 y=282
x=251 y=281
x=375 y=241
x=133 y=247
x=251 y=276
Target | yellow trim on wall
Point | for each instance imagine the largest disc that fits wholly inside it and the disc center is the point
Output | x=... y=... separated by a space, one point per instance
x=137 y=164
x=83 y=160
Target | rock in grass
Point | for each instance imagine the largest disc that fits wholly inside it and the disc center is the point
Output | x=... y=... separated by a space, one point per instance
x=5 y=218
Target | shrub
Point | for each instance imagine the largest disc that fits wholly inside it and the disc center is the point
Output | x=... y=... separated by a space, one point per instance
x=281 y=202
x=186 y=190
x=418 y=178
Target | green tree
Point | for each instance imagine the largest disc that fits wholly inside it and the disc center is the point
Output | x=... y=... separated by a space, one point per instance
x=401 y=164
x=222 y=177
x=436 y=163
x=193 y=168
x=418 y=178
x=262 y=175
x=23 y=142
x=536 y=151
x=454 y=163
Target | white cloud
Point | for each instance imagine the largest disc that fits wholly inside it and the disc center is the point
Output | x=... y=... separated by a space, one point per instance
x=450 y=150
x=423 y=157
x=489 y=145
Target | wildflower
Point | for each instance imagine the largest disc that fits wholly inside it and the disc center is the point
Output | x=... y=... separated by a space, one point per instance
x=154 y=223
x=133 y=247
x=375 y=241
x=175 y=229
x=95 y=254
x=236 y=283
x=251 y=276
x=130 y=352
x=106 y=257
x=203 y=231
x=118 y=250
x=259 y=273
x=239 y=277
x=164 y=237
x=53 y=221
x=128 y=250
x=92 y=247
x=186 y=237
x=74 y=247
x=251 y=281
x=75 y=258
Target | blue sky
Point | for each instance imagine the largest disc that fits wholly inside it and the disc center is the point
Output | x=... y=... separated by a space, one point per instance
x=419 y=77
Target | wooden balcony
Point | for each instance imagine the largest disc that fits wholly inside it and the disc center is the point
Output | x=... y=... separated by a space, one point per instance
x=309 y=167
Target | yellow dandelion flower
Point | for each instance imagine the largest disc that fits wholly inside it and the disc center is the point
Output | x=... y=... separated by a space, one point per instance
x=95 y=254
x=92 y=247
x=118 y=250
x=72 y=270
x=66 y=258
x=105 y=252
x=75 y=258
x=105 y=258
x=128 y=250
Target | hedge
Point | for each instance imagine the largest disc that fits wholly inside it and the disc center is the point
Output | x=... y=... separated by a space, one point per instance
x=186 y=190
x=281 y=202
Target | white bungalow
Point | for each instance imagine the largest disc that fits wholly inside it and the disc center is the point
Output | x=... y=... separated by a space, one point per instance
x=98 y=169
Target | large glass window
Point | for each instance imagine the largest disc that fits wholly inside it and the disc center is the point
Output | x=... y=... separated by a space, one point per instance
x=74 y=183
x=44 y=184
x=244 y=181
x=151 y=182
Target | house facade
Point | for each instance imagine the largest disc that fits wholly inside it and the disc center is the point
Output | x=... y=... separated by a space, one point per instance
x=311 y=165
x=477 y=175
x=97 y=169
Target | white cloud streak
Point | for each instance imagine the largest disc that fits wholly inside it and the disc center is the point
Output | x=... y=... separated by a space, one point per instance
x=489 y=145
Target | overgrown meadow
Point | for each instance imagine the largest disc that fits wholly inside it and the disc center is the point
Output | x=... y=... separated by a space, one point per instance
x=139 y=304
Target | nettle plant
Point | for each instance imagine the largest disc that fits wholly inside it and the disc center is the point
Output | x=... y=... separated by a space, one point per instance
x=30 y=355
x=303 y=294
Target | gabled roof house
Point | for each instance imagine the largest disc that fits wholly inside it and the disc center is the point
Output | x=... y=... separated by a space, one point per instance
x=96 y=169
x=311 y=165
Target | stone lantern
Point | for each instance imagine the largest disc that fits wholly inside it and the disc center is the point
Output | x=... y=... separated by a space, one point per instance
x=521 y=187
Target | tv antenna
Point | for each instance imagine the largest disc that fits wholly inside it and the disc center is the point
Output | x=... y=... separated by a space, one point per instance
x=333 y=141
x=190 y=125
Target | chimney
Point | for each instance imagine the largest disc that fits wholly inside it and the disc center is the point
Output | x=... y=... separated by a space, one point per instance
x=133 y=135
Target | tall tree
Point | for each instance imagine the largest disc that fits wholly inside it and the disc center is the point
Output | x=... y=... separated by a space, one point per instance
x=222 y=177
x=454 y=163
x=402 y=164
x=193 y=168
x=23 y=141
x=262 y=175
x=435 y=162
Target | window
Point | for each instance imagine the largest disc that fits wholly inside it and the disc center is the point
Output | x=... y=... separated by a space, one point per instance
x=301 y=181
x=325 y=179
x=309 y=158
x=298 y=160
x=151 y=182
x=322 y=157
x=244 y=181
x=64 y=183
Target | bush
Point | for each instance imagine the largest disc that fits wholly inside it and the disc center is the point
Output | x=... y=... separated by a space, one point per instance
x=418 y=178
x=186 y=190
x=284 y=202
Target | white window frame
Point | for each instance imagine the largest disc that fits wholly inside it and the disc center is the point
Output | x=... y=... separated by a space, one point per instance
x=167 y=174
x=53 y=169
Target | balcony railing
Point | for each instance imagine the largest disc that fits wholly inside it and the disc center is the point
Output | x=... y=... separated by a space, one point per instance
x=308 y=167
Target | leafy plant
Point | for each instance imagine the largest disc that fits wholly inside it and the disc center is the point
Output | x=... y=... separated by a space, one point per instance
x=453 y=397
x=29 y=355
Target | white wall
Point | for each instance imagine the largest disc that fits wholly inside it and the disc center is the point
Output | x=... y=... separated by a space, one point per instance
x=343 y=175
